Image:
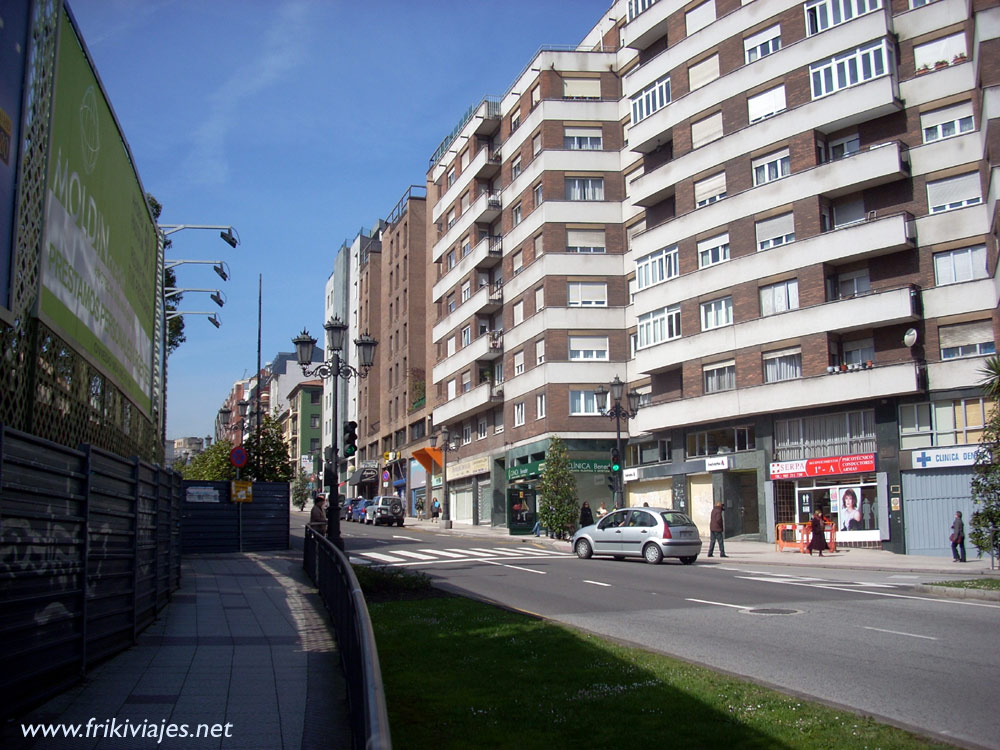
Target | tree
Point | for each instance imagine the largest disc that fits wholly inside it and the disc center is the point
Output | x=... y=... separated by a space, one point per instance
x=175 y=326
x=211 y=465
x=558 y=505
x=984 y=525
x=268 y=453
x=301 y=490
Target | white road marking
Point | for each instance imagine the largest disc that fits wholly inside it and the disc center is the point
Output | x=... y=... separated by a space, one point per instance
x=598 y=583
x=443 y=553
x=717 y=604
x=382 y=558
x=901 y=576
x=513 y=567
x=470 y=552
x=897 y=632
x=886 y=593
x=407 y=538
x=494 y=552
x=414 y=555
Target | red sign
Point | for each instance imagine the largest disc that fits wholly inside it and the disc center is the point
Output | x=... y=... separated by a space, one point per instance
x=238 y=457
x=820 y=467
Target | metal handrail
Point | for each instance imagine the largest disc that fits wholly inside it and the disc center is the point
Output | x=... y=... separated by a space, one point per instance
x=340 y=591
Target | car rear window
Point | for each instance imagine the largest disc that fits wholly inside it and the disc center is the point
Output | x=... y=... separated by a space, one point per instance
x=675 y=519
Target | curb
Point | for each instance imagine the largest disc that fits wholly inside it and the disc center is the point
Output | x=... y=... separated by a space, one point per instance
x=952 y=592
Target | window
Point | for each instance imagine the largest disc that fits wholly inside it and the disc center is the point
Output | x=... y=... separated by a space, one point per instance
x=584 y=188
x=714 y=250
x=515 y=214
x=518 y=312
x=536 y=195
x=466 y=247
x=850 y=68
x=466 y=434
x=703 y=73
x=783 y=365
x=771 y=167
x=775 y=231
x=515 y=121
x=659 y=325
x=466 y=157
x=587 y=294
x=725 y=440
x=450 y=302
x=700 y=17
x=313 y=445
x=314 y=421
x=710 y=190
x=585 y=241
x=853 y=284
x=588 y=348
x=939 y=423
x=540 y=352
x=515 y=168
x=841 y=147
x=656 y=267
x=581 y=88
x=517 y=261
x=482 y=428
x=452 y=388
x=858 y=352
x=539 y=298
x=451 y=218
x=848 y=210
x=466 y=381
x=720 y=376
x=540 y=406
x=466 y=336
x=651 y=99
x=766 y=103
x=466 y=291
x=635 y=7
x=963 y=264
x=842 y=434
x=536 y=96
x=465 y=202
x=943 y=50
x=584 y=403
x=451 y=177
x=762 y=44
x=450 y=260
x=583 y=139
x=498 y=420
x=967 y=339
x=518 y=363
x=947 y=122
x=706 y=130
x=777 y=298
x=717 y=313
x=954 y=192
x=823 y=14
x=536 y=145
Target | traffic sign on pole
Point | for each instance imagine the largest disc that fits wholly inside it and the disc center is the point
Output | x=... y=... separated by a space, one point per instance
x=238 y=457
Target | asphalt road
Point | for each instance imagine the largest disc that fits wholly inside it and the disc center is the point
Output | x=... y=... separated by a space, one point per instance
x=859 y=639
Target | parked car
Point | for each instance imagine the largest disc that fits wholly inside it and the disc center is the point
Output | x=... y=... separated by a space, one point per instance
x=358 y=509
x=387 y=509
x=345 y=509
x=649 y=533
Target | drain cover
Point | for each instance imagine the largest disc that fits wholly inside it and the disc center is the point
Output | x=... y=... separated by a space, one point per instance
x=771 y=611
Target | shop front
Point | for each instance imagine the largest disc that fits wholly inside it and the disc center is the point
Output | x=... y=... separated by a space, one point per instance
x=936 y=483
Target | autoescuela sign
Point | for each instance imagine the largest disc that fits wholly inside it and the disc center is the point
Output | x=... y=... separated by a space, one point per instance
x=819 y=467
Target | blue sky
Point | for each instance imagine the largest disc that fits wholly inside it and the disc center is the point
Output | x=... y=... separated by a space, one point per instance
x=297 y=122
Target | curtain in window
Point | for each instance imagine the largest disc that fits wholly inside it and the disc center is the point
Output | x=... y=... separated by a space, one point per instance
x=783 y=365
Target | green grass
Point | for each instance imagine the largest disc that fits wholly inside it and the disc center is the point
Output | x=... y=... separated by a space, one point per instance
x=462 y=674
x=990 y=584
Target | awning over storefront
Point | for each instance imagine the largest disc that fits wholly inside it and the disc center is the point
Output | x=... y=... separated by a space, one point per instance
x=362 y=476
x=427 y=457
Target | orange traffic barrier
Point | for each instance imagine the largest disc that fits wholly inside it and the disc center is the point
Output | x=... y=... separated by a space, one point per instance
x=798 y=535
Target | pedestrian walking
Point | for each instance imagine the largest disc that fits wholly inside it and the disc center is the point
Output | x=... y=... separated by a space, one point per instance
x=818 y=541
x=717 y=530
x=317 y=516
x=602 y=510
x=435 y=509
x=586 y=515
x=958 y=538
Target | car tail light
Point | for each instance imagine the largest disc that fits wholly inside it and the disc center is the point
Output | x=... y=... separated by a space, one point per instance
x=666 y=531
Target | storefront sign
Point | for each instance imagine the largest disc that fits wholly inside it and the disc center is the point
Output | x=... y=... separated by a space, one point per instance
x=469 y=468
x=630 y=475
x=576 y=465
x=717 y=463
x=523 y=471
x=819 y=467
x=368 y=464
x=934 y=458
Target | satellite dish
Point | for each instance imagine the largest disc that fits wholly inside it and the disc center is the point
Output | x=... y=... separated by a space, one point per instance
x=910 y=337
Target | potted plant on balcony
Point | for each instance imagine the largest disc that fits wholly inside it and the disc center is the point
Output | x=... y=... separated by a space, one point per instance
x=923 y=69
x=940 y=64
x=959 y=58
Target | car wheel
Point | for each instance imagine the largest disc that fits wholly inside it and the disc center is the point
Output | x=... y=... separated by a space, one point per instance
x=583 y=549
x=400 y=523
x=652 y=554
x=689 y=559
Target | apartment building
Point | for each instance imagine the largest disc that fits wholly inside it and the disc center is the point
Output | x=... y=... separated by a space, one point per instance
x=302 y=420
x=815 y=271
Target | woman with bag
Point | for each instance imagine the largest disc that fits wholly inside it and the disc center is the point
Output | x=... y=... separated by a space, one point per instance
x=958 y=538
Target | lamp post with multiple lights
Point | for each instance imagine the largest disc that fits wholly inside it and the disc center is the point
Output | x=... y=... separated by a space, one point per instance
x=618 y=413
x=446 y=448
x=225 y=413
x=333 y=369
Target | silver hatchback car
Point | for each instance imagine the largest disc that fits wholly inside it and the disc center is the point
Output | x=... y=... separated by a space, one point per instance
x=649 y=533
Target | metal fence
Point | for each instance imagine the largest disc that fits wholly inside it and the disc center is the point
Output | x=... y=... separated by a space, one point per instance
x=332 y=574
x=89 y=553
x=211 y=523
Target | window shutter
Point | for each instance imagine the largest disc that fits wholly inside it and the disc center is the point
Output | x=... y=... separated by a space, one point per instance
x=766 y=103
x=963 y=334
x=768 y=158
x=583 y=132
x=848 y=210
x=710 y=186
x=782 y=353
x=953 y=189
x=585 y=237
x=947 y=114
x=720 y=239
x=940 y=49
x=779 y=226
x=761 y=36
x=700 y=17
x=706 y=130
x=581 y=88
x=704 y=72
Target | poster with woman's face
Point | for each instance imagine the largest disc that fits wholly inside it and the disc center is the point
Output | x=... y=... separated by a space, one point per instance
x=848 y=501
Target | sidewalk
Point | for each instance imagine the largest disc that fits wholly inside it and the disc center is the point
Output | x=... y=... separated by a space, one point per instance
x=761 y=553
x=244 y=648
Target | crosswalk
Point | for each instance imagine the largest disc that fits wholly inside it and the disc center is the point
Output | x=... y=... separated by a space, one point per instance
x=429 y=556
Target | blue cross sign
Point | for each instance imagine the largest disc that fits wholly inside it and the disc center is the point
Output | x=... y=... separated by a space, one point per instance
x=923 y=458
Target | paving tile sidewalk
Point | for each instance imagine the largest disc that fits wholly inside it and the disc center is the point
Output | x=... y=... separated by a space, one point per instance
x=245 y=647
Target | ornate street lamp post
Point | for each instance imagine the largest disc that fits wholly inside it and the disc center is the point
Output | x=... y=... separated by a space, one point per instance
x=333 y=369
x=618 y=413
x=446 y=448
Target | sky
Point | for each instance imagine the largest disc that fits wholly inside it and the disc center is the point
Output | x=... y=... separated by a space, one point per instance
x=298 y=122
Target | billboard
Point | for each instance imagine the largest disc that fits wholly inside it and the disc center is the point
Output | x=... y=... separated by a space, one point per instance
x=99 y=249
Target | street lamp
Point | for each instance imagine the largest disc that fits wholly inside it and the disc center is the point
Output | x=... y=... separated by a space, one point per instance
x=618 y=413
x=446 y=448
x=334 y=369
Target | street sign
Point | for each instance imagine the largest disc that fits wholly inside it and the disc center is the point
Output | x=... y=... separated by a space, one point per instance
x=241 y=492
x=238 y=457
x=385 y=476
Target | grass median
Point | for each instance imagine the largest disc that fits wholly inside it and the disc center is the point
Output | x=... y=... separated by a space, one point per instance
x=986 y=584
x=459 y=673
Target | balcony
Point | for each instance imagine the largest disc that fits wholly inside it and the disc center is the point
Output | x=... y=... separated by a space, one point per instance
x=486 y=254
x=466 y=404
x=483 y=210
x=486 y=165
x=486 y=346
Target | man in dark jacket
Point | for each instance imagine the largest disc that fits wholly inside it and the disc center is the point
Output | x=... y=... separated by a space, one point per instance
x=715 y=526
x=317 y=518
x=958 y=538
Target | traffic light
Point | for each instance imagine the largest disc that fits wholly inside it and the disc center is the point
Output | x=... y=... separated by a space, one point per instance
x=616 y=461
x=350 y=438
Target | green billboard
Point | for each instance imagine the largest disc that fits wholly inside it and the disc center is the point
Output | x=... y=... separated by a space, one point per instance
x=99 y=250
